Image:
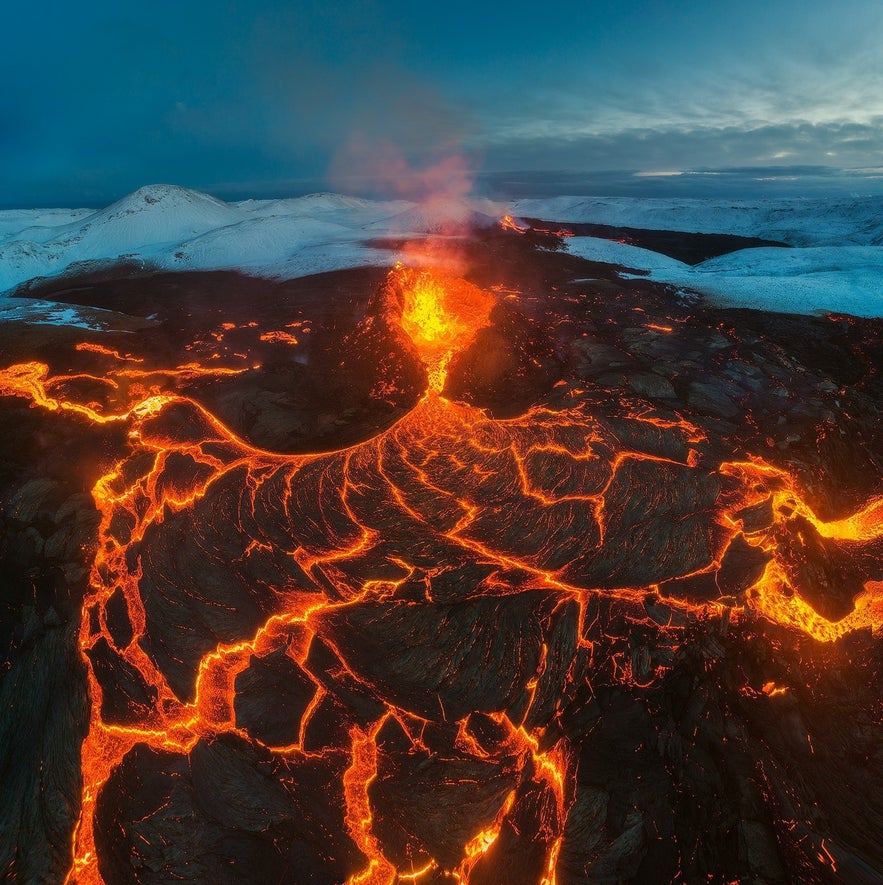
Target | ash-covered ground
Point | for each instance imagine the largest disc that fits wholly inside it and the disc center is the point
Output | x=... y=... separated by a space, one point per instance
x=605 y=607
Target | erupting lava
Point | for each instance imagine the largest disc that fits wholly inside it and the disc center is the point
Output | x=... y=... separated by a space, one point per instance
x=359 y=585
x=440 y=315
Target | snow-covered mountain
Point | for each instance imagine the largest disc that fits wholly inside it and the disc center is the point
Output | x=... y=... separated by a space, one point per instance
x=172 y=228
x=835 y=263
x=324 y=204
x=798 y=222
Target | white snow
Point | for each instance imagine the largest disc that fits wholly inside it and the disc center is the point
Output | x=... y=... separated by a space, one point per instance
x=844 y=279
x=836 y=263
x=53 y=313
x=854 y=221
x=839 y=279
x=37 y=224
x=171 y=228
x=438 y=219
x=613 y=252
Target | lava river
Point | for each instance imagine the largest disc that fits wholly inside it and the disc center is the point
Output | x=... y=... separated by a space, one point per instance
x=366 y=664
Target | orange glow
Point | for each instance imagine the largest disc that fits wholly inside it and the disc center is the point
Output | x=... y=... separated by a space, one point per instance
x=481 y=842
x=865 y=525
x=773 y=595
x=445 y=468
x=280 y=337
x=358 y=809
x=441 y=315
x=107 y=351
x=507 y=222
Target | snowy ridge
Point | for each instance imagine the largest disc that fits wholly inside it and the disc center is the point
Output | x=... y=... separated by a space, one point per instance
x=172 y=228
x=450 y=218
x=797 y=222
x=839 y=279
x=836 y=263
x=324 y=204
x=37 y=224
x=154 y=214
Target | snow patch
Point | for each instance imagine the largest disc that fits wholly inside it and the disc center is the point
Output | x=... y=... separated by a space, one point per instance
x=35 y=311
x=612 y=252
x=845 y=279
x=836 y=263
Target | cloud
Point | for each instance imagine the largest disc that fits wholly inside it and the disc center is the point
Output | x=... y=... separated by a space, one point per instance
x=207 y=94
x=800 y=142
x=722 y=183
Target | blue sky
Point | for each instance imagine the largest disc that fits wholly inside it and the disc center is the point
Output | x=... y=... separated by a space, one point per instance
x=264 y=97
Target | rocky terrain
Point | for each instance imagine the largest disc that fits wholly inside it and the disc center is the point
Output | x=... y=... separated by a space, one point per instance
x=594 y=611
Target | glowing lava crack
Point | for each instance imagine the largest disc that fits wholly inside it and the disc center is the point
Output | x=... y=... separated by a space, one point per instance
x=381 y=642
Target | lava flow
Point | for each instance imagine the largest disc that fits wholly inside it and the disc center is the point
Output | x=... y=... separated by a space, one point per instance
x=370 y=663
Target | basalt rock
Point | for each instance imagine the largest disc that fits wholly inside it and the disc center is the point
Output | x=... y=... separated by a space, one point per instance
x=591 y=612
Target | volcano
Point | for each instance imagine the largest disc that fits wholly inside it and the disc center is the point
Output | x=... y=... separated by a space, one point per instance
x=530 y=573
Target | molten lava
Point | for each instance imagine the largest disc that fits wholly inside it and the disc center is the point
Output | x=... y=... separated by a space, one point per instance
x=440 y=315
x=224 y=558
x=507 y=222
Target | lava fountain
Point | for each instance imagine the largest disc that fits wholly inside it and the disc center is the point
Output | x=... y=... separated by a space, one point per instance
x=440 y=314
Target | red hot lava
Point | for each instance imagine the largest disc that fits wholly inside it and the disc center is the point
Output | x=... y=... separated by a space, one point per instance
x=432 y=594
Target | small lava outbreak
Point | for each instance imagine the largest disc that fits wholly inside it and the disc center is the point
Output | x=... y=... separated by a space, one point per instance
x=564 y=617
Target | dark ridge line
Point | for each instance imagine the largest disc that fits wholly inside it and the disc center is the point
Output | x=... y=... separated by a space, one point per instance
x=691 y=248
